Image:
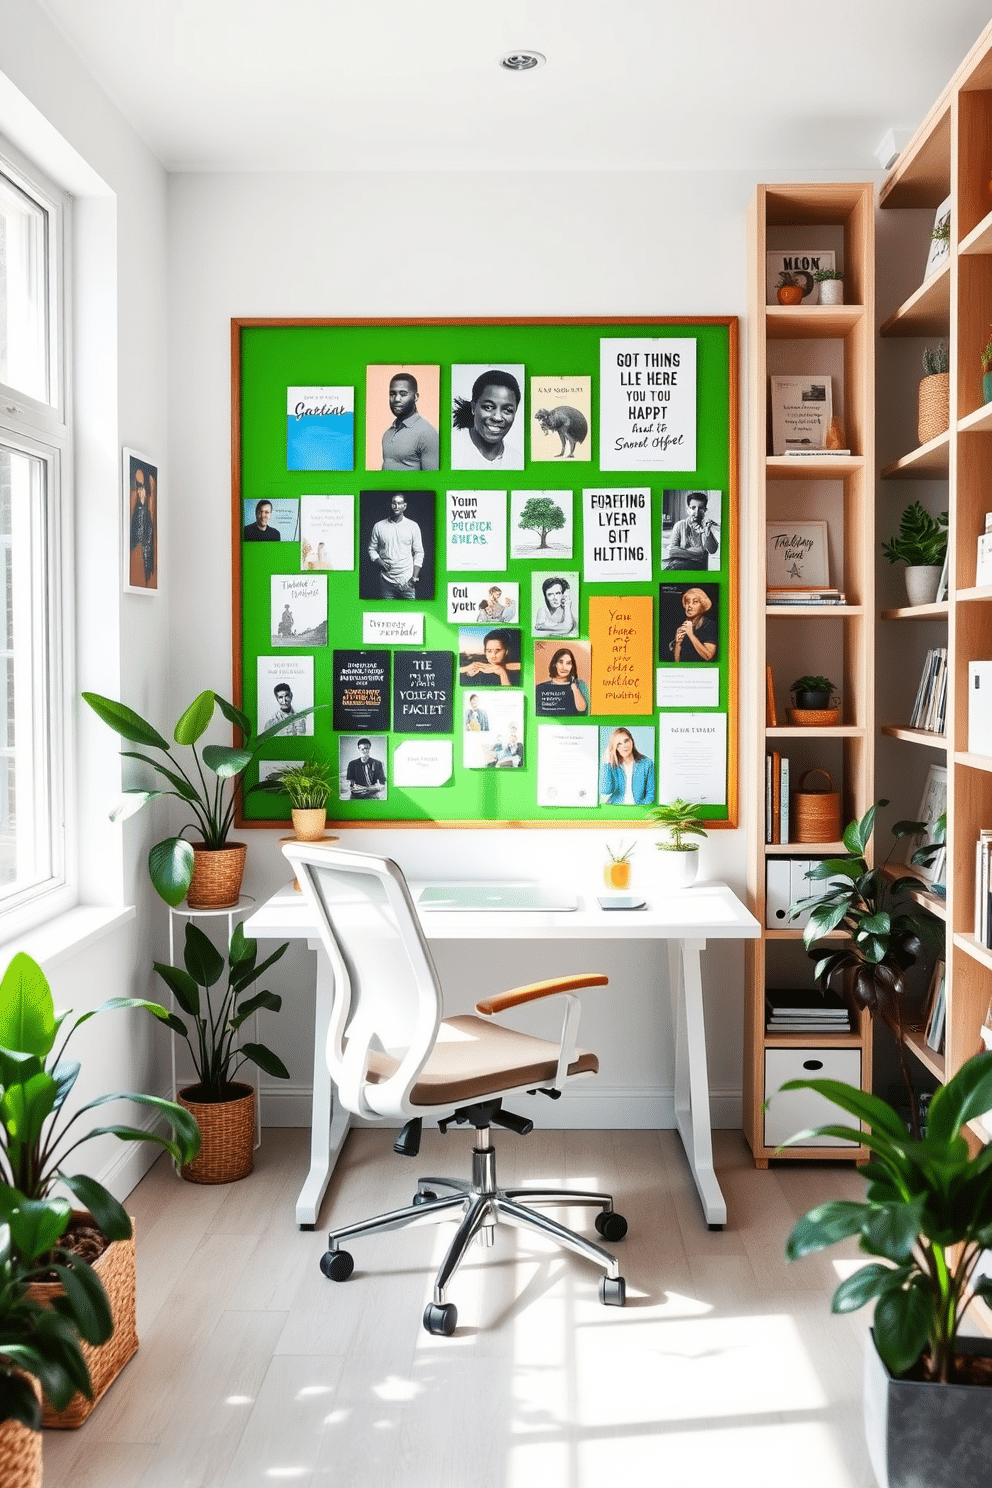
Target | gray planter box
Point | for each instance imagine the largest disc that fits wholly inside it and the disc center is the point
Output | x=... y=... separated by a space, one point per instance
x=925 y=1435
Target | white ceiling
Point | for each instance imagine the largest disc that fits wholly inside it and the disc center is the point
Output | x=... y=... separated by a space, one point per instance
x=275 y=85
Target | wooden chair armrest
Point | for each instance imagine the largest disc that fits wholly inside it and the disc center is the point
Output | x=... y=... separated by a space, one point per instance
x=517 y=995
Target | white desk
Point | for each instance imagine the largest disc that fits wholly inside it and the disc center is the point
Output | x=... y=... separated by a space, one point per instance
x=708 y=911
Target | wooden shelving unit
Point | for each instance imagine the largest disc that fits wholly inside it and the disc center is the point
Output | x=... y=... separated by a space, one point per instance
x=835 y=640
x=951 y=155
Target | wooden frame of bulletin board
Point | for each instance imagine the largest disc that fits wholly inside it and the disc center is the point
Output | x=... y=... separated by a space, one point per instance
x=409 y=602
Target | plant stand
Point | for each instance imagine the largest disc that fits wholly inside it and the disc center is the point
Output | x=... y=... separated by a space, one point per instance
x=230 y=913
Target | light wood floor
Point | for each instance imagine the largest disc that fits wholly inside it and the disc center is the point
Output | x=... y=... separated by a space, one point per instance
x=725 y=1367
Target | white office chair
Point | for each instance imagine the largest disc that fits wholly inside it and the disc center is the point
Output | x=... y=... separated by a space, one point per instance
x=392 y=1055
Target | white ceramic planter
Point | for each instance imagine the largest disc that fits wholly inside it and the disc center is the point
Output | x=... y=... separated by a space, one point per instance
x=677 y=870
x=831 y=291
x=924 y=1435
x=922 y=583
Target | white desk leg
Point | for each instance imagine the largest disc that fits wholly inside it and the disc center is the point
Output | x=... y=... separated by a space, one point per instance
x=328 y=1127
x=692 y=1095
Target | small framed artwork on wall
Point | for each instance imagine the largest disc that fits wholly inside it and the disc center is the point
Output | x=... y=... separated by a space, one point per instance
x=140 y=519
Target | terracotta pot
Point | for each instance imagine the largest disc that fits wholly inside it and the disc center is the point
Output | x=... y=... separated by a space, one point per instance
x=617 y=875
x=116 y=1270
x=217 y=876
x=227 y=1151
x=790 y=294
x=20 y=1452
x=309 y=823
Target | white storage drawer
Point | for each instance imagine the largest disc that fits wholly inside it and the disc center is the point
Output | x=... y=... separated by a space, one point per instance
x=794 y=1110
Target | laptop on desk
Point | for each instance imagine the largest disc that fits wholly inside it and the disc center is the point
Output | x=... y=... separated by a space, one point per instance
x=448 y=898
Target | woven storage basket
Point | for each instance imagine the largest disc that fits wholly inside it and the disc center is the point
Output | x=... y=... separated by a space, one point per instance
x=815 y=813
x=935 y=406
x=228 y=1131
x=20 y=1452
x=813 y=717
x=217 y=876
x=116 y=1269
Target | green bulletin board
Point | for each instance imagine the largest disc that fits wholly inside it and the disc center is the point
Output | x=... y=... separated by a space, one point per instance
x=271 y=357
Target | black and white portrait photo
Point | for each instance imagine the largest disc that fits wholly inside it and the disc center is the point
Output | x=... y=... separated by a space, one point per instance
x=690 y=530
x=396 y=545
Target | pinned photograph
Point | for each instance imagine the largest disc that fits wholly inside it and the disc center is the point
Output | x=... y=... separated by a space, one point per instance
x=541 y=524
x=688 y=623
x=487 y=417
x=561 y=675
x=626 y=772
x=272 y=520
x=561 y=418
x=690 y=530
x=554 y=604
x=401 y=417
x=489 y=658
x=140 y=523
x=320 y=428
x=362 y=763
x=396 y=545
x=485 y=603
x=500 y=744
x=285 y=689
x=299 y=610
x=327 y=536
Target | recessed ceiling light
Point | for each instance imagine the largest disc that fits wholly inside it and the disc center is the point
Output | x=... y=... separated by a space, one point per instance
x=522 y=61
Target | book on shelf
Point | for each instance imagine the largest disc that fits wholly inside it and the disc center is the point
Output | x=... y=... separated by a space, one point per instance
x=783 y=800
x=938 y=1017
x=815 y=454
x=805 y=1010
x=776 y=802
x=771 y=712
x=777 y=595
x=942 y=581
x=776 y=797
x=931 y=695
x=983 y=561
x=983 y=887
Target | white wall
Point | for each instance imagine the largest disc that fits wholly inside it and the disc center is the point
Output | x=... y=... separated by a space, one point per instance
x=447 y=245
x=57 y=116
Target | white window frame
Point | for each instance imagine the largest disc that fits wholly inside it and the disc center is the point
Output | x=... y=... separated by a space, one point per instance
x=43 y=430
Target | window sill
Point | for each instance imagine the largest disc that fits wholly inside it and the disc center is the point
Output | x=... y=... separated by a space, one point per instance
x=65 y=934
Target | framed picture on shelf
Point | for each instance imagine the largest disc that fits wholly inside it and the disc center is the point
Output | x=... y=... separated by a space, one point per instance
x=933 y=803
x=940 y=239
x=802 y=407
x=140 y=519
x=803 y=264
x=797 y=555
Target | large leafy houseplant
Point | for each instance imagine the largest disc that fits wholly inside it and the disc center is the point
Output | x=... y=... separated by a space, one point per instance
x=926 y=1215
x=217 y=1017
x=211 y=802
x=921 y=539
x=884 y=930
x=35 y=1339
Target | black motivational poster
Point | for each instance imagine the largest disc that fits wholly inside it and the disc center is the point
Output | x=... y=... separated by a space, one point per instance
x=422 y=682
x=361 y=691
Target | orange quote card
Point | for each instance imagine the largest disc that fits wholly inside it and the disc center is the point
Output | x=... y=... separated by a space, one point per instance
x=621 y=631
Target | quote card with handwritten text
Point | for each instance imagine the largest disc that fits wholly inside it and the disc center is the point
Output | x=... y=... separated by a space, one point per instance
x=620 y=630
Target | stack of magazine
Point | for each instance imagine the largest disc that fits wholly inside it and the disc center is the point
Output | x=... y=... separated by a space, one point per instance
x=803 y=596
x=931 y=696
x=805 y=1010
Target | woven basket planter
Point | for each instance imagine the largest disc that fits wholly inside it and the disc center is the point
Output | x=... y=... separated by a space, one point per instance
x=309 y=823
x=217 y=876
x=116 y=1269
x=816 y=813
x=20 y=1453
x=935 y=406
x=227 y=1128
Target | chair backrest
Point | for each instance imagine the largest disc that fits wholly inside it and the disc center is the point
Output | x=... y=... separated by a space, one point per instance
x=387 y=996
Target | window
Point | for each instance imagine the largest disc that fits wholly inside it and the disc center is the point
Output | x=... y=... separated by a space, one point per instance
x=33 y=462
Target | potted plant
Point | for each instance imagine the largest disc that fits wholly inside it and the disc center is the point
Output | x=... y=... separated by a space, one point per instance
x=884 y=932
x=208 y=873
x=224 y=1107
x=921 y=543
x=37 y=1135
x=831 y=282
x=617 y=871
x=790 y=288
x=925 y=1219
x=41 y=1344
x=308 y=786
x=985 y=357
x=813 y=694
x=680 y=859
x=935 y=393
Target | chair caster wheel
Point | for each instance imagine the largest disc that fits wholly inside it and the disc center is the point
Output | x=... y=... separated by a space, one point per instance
x=424 y=1196
x=611 y=1226
x=337 y=1264
x=612 y=1291
x=440 y=1319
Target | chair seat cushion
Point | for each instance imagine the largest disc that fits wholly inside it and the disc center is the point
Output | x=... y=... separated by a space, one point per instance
x=474 y=1057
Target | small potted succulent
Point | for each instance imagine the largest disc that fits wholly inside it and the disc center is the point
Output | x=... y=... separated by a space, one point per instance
x=790 y=288
x=679 y=859
x=831 y=282
x=921 y=543
x=308 y=786
x=935 y=394
x=814 y=694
